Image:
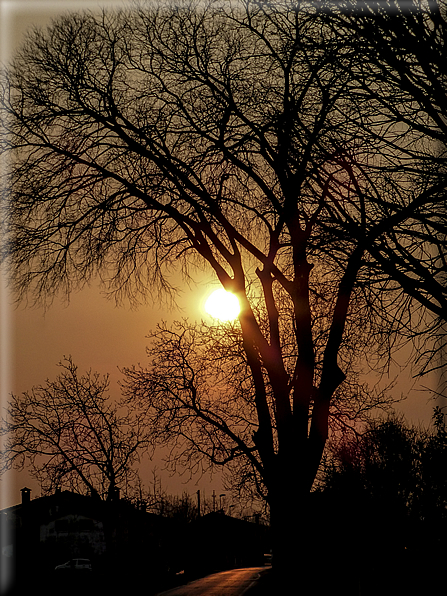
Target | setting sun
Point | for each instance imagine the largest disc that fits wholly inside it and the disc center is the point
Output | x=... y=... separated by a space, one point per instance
x=222 y=305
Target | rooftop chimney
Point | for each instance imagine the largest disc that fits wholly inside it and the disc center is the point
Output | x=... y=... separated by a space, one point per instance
x=26 y=495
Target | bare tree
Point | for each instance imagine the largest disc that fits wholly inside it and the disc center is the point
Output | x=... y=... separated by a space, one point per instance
x=69 y=433
x=404 y=48
x=261 y=141
x=197 y=396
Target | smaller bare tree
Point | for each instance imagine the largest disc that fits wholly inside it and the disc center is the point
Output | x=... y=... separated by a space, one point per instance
x=68 y=432
x=198 y=398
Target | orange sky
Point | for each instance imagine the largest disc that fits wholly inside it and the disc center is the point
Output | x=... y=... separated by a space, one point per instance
x=91 y=329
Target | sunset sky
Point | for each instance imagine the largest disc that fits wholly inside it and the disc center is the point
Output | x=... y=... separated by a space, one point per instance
x=90 y=328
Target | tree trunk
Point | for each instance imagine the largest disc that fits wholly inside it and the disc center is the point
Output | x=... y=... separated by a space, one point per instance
x=302 y=556
x=314 y=550
x=290 y=535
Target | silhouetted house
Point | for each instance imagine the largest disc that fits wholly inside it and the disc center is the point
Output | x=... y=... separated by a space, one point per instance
x=40 y=533
x=49 y=530
x=218 y=541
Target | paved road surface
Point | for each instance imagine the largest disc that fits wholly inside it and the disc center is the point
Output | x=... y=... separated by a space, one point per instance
x=226 y=583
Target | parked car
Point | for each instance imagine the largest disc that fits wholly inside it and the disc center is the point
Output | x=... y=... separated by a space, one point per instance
x=75 y=565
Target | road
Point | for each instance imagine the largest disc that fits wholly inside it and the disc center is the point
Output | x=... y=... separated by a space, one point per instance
x=226 y=583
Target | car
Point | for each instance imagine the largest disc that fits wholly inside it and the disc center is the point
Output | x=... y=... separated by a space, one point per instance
x=75 y=565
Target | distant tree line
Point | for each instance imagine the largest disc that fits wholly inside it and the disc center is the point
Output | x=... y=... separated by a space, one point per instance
x=394 y=472
x=382 y=503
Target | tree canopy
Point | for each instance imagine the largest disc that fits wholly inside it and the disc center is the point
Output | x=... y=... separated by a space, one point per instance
x=393 y=475
x=68 y=433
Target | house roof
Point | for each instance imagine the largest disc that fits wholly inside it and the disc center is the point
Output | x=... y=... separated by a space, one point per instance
x=43 y=509
x=48 y=505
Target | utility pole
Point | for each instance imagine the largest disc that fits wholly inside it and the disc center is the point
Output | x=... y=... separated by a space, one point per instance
x=198 y=503
x=214 y=501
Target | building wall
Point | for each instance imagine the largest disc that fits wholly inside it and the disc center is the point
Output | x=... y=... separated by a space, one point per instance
x=84 y=535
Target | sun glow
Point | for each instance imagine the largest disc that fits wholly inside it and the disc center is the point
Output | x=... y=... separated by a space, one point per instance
x=222 y=305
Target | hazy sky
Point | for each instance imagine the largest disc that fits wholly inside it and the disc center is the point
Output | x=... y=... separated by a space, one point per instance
x=91 y=329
